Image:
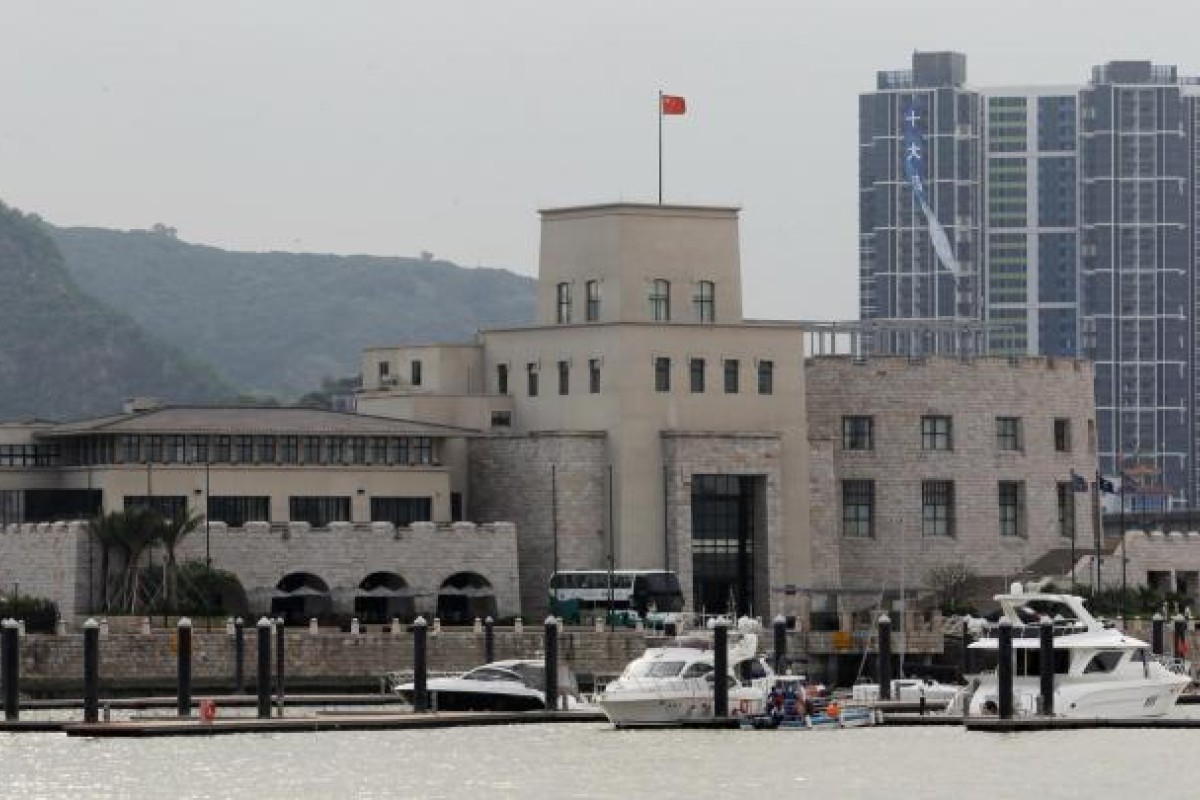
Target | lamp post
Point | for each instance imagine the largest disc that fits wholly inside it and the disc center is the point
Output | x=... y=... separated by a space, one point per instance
x=207 y=504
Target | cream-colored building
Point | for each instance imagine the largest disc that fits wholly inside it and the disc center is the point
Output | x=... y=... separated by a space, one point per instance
x=642 y=369
x=345 y=508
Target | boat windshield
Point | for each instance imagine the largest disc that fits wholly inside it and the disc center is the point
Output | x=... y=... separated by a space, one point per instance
x=654 y=669
x=492 y=674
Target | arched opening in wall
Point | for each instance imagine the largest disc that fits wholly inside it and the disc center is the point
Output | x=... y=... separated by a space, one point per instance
x=383 y=596
x=464 y=596
x=300 y=596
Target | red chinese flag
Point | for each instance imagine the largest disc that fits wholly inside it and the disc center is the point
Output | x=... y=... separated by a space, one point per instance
x=673 y=104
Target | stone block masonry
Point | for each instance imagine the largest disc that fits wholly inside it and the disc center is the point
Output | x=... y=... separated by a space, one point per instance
x=62 y=561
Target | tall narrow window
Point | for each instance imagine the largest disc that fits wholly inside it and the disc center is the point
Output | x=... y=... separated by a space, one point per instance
x=858 y=508
x=660 y=300
x=936 y=433
x=502 y=378
x=594 y=376
x=593 y=301
x=532 y=384
x=1062 y=435
x=705 y=302
x=662 y=374
x=1011 y=500
x=696 y=371
x=385 y=370
x=563 y=302
x=416 y=373
x=766 y=376
x=937 y=508
x=564 y=377
x=732 y=367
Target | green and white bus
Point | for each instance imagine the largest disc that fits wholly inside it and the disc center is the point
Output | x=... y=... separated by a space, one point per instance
x=643 y=591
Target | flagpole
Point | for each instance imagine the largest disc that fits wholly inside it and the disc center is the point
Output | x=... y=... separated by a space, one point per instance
x=660 y=115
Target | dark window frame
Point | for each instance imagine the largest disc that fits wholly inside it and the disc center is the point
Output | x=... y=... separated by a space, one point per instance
x=858 y=432
x=858 y=508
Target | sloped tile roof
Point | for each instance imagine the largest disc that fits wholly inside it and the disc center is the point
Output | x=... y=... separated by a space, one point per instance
x=254 y=420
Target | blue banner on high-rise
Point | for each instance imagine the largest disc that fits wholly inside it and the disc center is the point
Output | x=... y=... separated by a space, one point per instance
x=914 y=173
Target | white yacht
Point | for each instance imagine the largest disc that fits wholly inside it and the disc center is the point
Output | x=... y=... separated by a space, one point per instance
x=1098 y=670
x=672 y=684
x=513 y=685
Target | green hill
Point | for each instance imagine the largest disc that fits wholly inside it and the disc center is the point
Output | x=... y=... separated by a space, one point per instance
x=277 y=323
x=64 y=353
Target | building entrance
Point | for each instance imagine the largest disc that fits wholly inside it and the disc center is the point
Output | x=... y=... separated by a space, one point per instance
x=728 y=542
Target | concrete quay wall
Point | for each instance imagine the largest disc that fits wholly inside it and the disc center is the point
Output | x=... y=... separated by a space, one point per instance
x=133 y=661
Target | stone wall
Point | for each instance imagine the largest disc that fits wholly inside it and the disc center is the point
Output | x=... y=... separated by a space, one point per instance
x=46 y=560
x=53 y=560
x=896 y=393
x=511 y=479
x=328 y=659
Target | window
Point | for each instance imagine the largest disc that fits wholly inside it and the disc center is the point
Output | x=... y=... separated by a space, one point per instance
x=858 y=508
x=312 y=450
x=531 y=380
x=384 y=370
x=1012 y=511
x=198 y=449
x=593 y=301
x=705 y=301
x=379 y=450
x=1008 y=433
x=174 y=453
x=660 y=301
x=166 y=506
x=563 y=303
x=155 y=448
x=502 y=378
x=1062 y=435
x=319 y=511
x=131 y=449
x=266 y=449
x=401 y=510
x=858 y=433
x=1091 y=435
x=224 y=450
x=245 y=449
x=564 y=377
x=936 y=433
x=731 y=376
x=937 y=508
x=237 y=511
x=696 y=371
x=415 y=373
x=594 y=375
x=1066 y=510
x=501 y=419
x=358 y=449
x=662 y=374
x=766 y=377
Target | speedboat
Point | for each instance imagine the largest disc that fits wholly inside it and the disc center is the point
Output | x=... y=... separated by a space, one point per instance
x=1099 y=671
x=672 y=684
x=513 y=685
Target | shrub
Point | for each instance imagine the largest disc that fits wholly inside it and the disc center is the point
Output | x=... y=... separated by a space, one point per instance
x=40 y=615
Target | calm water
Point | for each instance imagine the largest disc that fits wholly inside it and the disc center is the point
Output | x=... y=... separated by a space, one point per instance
x=595 y=761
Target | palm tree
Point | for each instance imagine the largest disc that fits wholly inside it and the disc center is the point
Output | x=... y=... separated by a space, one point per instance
x=108 y=530
x=171 y=533
x=143 y=527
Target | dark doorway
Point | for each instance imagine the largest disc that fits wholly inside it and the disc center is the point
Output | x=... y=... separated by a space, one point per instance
x=727 y=523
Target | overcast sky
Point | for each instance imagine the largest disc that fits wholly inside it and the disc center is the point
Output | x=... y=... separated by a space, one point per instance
x=395 y=127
